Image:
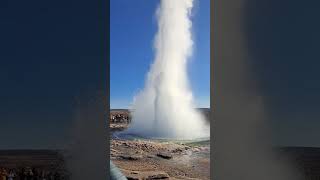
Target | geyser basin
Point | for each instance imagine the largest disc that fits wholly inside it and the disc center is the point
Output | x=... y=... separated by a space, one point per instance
x=123 y=135
x=164 y=109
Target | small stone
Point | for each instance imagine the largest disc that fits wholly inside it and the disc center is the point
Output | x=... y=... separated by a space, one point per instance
x=196 y=150
x=130 y=157
x=178 y=150
x=164 y=155
x=158 y=176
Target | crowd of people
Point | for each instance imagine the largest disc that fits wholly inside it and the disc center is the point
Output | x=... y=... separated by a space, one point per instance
x=29 y=174
x=120 y=118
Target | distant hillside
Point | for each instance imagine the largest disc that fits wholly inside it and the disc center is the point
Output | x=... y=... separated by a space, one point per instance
x=120 y=110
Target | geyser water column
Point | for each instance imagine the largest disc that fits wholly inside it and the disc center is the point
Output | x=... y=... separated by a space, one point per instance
x=165 y=107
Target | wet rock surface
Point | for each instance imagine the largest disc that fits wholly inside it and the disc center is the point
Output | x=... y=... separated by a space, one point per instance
x=164 y=155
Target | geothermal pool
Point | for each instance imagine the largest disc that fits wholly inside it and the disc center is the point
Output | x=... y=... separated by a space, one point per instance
x=138 y=156
x=130 y=136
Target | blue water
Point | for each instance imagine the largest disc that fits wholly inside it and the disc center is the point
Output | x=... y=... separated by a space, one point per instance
x=121 y=135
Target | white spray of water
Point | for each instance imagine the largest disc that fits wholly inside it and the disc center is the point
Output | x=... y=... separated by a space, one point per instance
x=164 y=108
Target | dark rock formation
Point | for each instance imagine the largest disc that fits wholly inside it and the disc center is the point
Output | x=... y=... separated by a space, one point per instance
x=164 y=155
x=130 y=157
x=147 y=175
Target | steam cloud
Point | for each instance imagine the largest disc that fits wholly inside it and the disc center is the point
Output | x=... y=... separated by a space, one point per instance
x=164 y=108
x=87 y=151
x=243 y=146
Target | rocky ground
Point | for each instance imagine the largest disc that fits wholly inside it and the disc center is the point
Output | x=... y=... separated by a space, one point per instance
x=143 y=159
x=154 y=159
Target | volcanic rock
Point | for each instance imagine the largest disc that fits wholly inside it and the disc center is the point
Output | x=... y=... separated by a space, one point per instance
x=178 y=150
x=164 y=155
x=130 y=157
x=145 y=175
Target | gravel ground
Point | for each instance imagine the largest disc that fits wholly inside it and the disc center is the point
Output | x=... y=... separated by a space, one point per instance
x=153 y=159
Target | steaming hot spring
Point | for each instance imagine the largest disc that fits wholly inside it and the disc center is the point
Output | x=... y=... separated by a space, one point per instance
x=164 y=109
x=166 y=130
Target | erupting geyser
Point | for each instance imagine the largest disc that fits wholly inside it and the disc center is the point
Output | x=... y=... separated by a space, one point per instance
x=165 y=108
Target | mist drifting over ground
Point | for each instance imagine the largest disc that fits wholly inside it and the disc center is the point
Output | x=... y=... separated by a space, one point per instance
x=86 y=156
x=243 y=148
x=165 y=107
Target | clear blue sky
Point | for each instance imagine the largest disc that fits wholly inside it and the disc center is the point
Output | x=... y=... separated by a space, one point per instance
x=132 y=29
